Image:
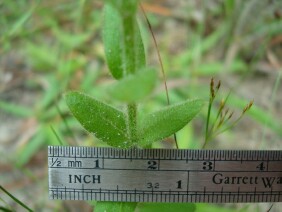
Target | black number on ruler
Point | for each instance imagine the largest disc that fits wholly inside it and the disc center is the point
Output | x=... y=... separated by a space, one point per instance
x=152 y=164
x=179 y=184
x=55 y=162
x=207 y=165
x=153 y=185
x=261 y=167
x=97 y=164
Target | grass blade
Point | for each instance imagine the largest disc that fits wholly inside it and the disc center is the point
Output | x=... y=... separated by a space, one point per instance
x=57 y=136
x=15 y=199
x=5 y=209
x=15 y=109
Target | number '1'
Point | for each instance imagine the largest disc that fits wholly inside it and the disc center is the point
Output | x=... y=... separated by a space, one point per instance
x=179 y=184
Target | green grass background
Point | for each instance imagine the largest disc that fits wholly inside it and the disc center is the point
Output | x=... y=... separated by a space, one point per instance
x=50 y=47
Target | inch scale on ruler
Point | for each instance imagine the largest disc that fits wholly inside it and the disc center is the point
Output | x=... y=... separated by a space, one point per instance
x=164 y=175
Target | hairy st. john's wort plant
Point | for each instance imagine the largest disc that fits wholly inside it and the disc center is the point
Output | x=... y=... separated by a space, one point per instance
x=125 y=56
x=126 y=128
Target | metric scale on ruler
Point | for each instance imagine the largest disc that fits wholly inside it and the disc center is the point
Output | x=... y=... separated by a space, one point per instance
x=164 y=175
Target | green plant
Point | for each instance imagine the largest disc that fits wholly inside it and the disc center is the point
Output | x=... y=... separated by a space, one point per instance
x=126 y=129
x=223 y=117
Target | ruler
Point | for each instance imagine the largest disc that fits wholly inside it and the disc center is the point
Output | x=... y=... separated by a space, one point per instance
x=164 y=175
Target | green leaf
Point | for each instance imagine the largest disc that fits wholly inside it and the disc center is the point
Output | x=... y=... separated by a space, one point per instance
x=138 y=47
x=107 y=123
x=112 y=41
x=167 y=207
x=229 y=7
x=115 y=206
x=169 y=120
x=134 y=87
x=125 y=7
x=124 y=48
x=133 y=48
x=19 y=24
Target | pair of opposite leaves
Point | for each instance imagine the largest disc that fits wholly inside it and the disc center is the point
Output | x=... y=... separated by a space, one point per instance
x=109 y=124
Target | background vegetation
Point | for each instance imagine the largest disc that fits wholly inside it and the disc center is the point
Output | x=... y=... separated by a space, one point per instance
x=49 y=47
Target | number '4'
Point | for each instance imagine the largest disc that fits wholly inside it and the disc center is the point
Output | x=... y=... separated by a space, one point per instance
x=261 y=167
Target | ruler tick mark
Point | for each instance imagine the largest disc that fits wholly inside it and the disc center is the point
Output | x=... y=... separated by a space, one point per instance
x=210 y=175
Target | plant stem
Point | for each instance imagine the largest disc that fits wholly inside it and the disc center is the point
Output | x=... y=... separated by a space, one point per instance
x=130 y=67
x=207 y=123
x=129 y=45
x=132 y=123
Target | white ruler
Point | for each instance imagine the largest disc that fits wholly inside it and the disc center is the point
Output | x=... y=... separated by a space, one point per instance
x=164 y=175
